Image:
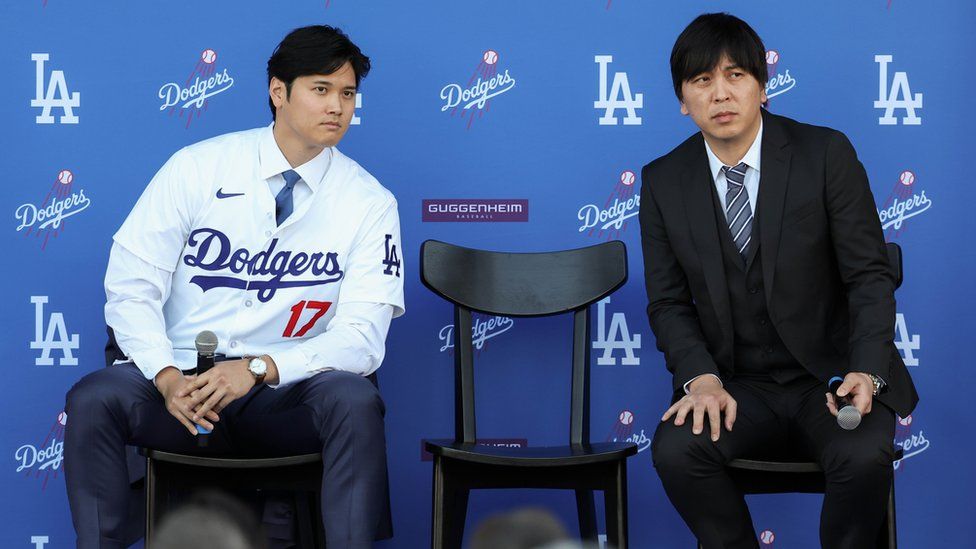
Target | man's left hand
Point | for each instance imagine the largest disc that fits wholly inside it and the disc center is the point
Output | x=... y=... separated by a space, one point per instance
x=861 y=389
x=219 y=386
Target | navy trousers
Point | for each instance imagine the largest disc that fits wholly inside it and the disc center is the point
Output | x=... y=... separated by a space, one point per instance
x=337 y=413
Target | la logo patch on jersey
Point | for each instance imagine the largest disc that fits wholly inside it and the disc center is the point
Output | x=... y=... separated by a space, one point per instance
x=392 y=259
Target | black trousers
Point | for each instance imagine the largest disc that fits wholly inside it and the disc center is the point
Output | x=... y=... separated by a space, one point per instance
x=772 y=421
x=336 y=413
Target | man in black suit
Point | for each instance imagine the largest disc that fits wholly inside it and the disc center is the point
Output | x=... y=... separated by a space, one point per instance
x=766 y=275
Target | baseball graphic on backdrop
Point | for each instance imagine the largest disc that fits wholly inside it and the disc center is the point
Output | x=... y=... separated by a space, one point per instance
x=628 y=177
x=767 y=537
x=906 y=178
x=65 y=176
x=490 y=57
x=63 y=418
x=626 y=417
x=772 y=56
x=208 y=56
x=906 y=421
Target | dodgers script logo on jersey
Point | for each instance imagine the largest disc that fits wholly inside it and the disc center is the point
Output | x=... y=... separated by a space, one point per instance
x=54 y=337
x=53 y=94
x=618 y=97
x=902 y=203
x=193 y=97
x=779 y=82
x=615 y=337
x=211 y=250
x=47 y=219
x=623 y=431
x=483 y=328
x=609 y=221
x=898 y=96
x=472 y=99
x=44 y=460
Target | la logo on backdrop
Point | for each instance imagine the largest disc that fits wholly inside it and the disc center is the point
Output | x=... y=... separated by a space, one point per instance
x=192 y=98
x=616 y=95
x=53 y=93
x=896 y=95
x=47 y=220
x=473 y=99
x=609 y=221
x=44 y=460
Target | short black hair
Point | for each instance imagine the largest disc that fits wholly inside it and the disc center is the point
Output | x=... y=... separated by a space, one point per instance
x=316 y=49
x=710 y=36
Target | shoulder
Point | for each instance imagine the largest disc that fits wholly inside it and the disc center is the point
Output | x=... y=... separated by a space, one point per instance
x=806 y=136
x=222 y=147
x=667 y=167
x=360 y=186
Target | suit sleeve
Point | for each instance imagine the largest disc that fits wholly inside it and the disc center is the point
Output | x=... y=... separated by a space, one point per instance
x=670 y=308
x=861 y=258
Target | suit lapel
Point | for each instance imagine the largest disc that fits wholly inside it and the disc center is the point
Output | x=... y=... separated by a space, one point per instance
x=773 y=184
x=697 y=188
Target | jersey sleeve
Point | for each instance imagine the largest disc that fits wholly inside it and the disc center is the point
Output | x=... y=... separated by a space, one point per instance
x=156 y=228
x=374 y=270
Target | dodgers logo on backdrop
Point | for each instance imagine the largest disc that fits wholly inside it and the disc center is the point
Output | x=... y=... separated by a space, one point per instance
x=55 y=336
x=780 y=80
x=618 y=97
x=48 y=218
x=896 y=96
x=474 y=209
x=53 y=94
x=483 y=328
x=473 y=98
x=610 y=220
x=908 y=440
x=44 y=460
x=192 y=98
x=623 y=431
x=211 y=250
x=767 y=537
x=902 y=203
x=615 y=337
x=905 y=342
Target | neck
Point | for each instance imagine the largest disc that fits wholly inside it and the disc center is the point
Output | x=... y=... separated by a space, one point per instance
x=730 y=151
x=295 y=151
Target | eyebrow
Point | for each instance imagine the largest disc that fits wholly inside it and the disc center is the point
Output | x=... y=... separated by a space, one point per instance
x=330 y=83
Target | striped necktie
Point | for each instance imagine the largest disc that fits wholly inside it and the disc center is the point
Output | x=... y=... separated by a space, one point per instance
x=737 y=210
x=283 y=202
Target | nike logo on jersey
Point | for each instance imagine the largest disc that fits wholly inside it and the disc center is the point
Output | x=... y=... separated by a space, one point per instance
x=222 y=194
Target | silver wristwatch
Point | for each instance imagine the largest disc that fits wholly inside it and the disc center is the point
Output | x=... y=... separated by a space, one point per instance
x=258 y=368
x=878 y=384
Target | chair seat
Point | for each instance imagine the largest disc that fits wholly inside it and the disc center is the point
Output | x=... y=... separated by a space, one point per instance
x=538 y=456
x=228 y=462
x=787 y=466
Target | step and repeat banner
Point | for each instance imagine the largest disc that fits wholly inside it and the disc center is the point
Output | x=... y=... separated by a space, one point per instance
x=505 y=125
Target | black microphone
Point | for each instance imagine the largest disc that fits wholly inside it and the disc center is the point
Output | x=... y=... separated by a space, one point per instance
x=206 y=344
x=848 y=416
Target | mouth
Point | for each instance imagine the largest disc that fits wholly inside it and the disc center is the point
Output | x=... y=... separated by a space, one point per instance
x=332 y=125
x=724 y=117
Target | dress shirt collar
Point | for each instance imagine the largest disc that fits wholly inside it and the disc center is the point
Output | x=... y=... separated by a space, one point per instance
x=751 y=157
x=273 y=162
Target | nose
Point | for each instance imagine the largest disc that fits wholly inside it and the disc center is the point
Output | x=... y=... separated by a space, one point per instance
x=333 y=105
x=721 y=90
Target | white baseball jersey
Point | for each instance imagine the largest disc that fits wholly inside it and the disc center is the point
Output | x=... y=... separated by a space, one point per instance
x=207 y=220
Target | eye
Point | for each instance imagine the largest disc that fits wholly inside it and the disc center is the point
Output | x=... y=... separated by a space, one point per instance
x=737 y=74
x=319 y=89
x=349 y=94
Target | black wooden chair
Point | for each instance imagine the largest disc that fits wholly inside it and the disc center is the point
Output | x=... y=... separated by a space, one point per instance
x=169 y=475
x=777 y=477
x=525 y=285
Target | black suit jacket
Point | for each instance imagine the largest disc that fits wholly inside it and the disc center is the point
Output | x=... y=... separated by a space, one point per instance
x=828 y=286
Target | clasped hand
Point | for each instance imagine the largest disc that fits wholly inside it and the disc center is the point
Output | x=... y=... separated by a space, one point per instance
x=199 y=399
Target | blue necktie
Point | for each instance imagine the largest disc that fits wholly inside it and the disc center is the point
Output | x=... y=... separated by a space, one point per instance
x=283 y=202
x=737 y=210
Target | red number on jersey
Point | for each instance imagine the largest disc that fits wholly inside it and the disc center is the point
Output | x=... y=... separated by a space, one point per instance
x=296 y=311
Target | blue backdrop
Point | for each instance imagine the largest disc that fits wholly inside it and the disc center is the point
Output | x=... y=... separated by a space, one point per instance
x=569 y=100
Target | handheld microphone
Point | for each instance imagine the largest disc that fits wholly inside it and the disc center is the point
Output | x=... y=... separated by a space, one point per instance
x=206 y=344
x=848 y=416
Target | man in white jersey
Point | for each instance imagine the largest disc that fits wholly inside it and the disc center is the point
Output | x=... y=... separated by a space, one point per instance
x=290 y=252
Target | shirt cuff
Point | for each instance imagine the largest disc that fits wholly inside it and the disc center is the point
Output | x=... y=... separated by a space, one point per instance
x=686 y=385
x=152 y=361
x=292 y=366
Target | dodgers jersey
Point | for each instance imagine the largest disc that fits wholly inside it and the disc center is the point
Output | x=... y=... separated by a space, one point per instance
x=208 y=218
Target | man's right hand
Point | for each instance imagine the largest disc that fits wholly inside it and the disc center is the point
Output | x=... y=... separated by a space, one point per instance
x=169 y=381
x=705 y=396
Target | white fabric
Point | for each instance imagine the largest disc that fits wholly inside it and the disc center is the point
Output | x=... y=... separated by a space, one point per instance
x=201 y=251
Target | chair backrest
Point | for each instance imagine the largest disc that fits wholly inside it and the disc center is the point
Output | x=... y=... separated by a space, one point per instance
x=894 y=259
x=526 y=285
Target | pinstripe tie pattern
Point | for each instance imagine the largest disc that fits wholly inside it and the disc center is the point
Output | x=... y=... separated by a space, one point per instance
x=737 y=210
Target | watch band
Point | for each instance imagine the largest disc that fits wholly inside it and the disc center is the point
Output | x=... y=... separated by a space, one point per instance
x=878 y=384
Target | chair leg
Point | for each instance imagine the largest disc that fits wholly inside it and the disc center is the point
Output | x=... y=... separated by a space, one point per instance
x=586 y=511
x=150 y=496
x=616 y=508
x=450 y=507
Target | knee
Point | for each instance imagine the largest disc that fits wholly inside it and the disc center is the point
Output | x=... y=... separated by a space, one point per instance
x=89 y=393
x=347 y=394
x=677 y=452
x=844 y=461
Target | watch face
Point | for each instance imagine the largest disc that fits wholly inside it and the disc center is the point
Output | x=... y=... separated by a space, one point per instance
x=258 y=367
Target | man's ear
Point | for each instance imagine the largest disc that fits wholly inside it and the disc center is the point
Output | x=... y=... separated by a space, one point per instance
x=278 y=92
x=684 y=109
